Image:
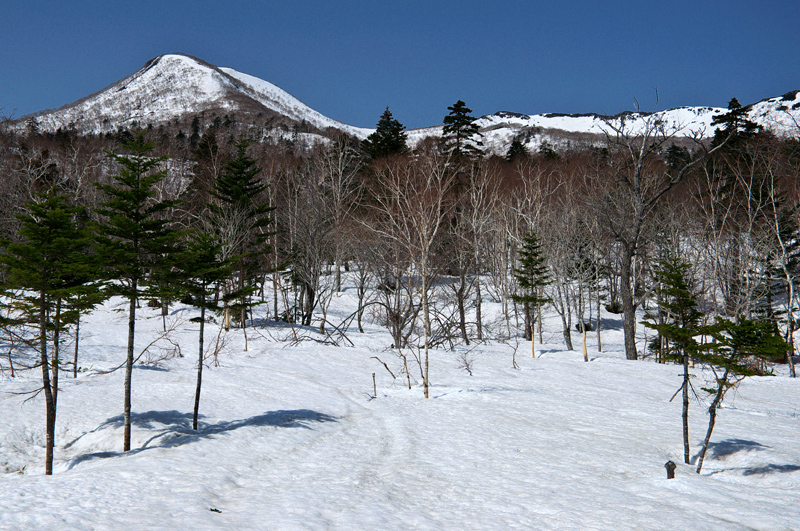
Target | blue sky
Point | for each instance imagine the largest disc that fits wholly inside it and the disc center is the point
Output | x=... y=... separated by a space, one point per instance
x=350 y=59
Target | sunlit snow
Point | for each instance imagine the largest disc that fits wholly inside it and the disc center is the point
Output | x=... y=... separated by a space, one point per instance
x=291 y=437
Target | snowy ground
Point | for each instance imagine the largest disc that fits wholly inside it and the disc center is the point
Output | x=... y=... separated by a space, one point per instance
x=291 y=438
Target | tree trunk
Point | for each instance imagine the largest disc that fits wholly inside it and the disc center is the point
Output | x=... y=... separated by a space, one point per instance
x=50 y=403
x=628 y=307
x=462 y=313
x=685 y=413
x=712 y=419
x=199 y=369
x=56 y=353
x=426 y=325
x=126 y=437
x=478 y=315
x=77 y=339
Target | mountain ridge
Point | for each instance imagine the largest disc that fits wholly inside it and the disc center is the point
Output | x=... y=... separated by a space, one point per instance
x=175 y=86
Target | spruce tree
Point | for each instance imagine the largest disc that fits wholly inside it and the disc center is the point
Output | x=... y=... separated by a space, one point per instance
x=461 y=133
x=47 y=265
x=388 y=139
x=135 y=240
x=532 y=275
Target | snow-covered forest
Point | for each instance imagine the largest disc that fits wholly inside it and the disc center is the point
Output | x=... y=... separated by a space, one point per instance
x=206 y=327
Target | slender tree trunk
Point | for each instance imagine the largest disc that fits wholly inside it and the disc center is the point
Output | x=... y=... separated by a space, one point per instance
x=712 y=419
x=685 y=413
x=56 y=352
x=426 y=325
x=599 y=341
x=462 y=313
x=50 y=404
x=628 y=307
x=585 y=351
x=126 y=437
x=199 y=368
x=77 y=339
x=478 y=314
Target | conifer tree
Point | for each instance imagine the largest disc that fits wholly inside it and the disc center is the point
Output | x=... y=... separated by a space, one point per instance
x=388 y=139
x=516 y=150
x=532 y=275
x=735 y=127
x=202 y=268
x=682 y=324
x=240 y=217
x=461 y=133
x=48 y=264
x=135 y=240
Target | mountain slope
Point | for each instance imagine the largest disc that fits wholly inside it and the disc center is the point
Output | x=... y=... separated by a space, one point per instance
x=177 y=86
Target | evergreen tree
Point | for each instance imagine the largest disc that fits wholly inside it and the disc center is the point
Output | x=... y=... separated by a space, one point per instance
x=240 y=217
x=388 y=139
x=135 y=240
x=516 y=150
x=532 y=275
x=48 y=265
x=734 y=126
x=202 y=269
x=737 y=345
x=679 y=327
x=461 y=133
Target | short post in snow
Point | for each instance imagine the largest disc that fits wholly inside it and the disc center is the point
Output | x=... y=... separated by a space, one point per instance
x=670 y=466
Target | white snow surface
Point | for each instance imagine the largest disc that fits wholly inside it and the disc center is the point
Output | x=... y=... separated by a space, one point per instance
x=281 y=101
x=175 y=85
x=291 y=438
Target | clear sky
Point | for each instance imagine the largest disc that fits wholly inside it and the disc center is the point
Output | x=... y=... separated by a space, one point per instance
x=350 y=59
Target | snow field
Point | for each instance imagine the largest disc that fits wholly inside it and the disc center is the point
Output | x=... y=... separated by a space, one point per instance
x=291 y=438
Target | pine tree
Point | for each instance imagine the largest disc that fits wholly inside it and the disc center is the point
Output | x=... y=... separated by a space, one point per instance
x=532 y=275
x=388 y=139
x=49 y=264
x=461 y=133
x=135 y=241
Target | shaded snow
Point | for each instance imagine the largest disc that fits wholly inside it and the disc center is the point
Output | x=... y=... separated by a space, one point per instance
x=290 y=438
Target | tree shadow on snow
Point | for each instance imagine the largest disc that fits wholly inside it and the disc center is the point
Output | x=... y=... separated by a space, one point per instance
x=722 y=449
x=174 y=428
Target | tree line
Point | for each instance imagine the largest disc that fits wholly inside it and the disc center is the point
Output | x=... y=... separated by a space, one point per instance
x=225 y=220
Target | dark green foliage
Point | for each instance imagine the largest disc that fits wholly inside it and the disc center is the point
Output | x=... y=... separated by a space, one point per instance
x=240 y=217
x=202 y=269
x=135 y=242
x=388 y=139
x=516 y=151
x=680 y=318
x=461 y=133
x=135 y=236
x=49 y=263
x=734 y=126
x=532 y=275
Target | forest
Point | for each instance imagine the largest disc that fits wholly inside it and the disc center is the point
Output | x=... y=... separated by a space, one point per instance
x=695 y=237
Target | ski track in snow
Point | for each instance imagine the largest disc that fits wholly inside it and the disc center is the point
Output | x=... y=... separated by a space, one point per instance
x=290 y=438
